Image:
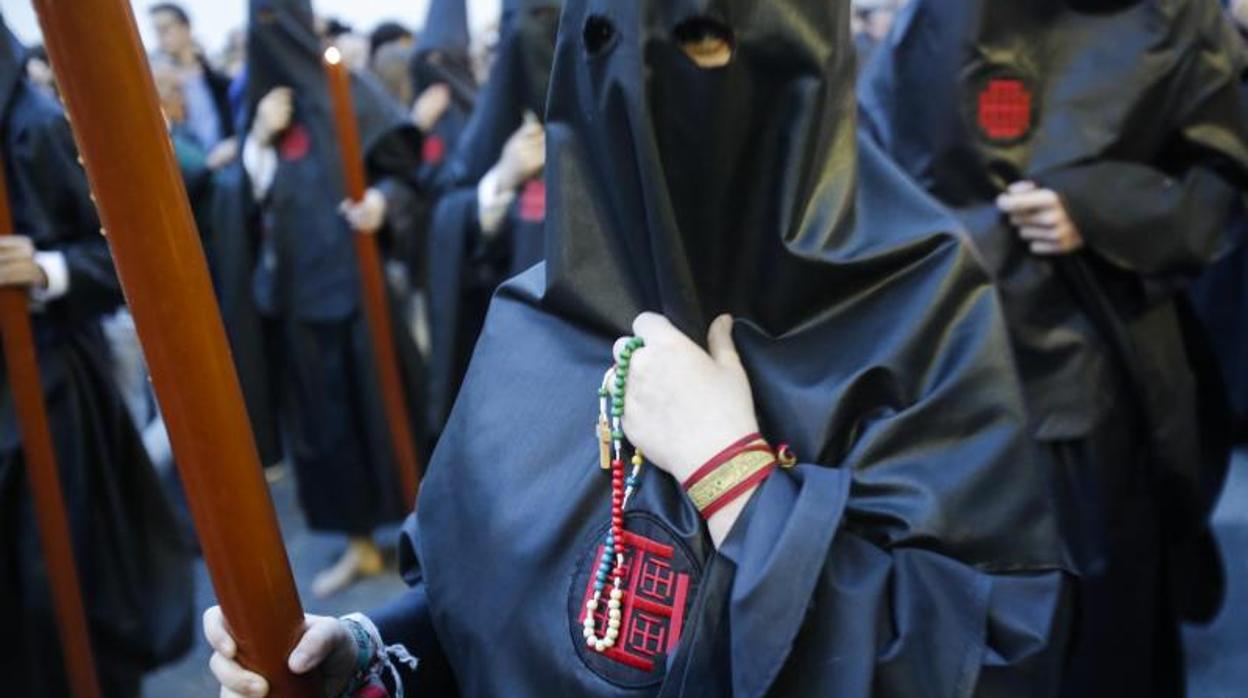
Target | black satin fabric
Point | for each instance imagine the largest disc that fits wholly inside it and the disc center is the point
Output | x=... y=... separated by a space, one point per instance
x=134 y=567
x=912 y=552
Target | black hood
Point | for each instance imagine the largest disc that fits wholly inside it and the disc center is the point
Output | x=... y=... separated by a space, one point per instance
x=442 y=54
x=283 y=50
x=12 y=63
x=517 y=83
x=714 y=190
x=745 y=189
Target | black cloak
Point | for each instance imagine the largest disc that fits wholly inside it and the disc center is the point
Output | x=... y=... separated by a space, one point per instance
x=134 y=567
x=307 y=276
x=1132 y=113
x=466 y=267
x=911 y=552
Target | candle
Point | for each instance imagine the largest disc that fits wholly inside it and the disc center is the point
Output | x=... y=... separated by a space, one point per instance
x=106 y=83
x=22 y=364
x=372 y=280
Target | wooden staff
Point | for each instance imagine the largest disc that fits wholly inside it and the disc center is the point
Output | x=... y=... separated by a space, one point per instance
x=376 y=307
x=107 y=86
x=22 y=363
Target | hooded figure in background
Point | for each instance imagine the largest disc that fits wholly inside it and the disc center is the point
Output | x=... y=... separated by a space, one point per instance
x=1095 y=151
x=441 y=71
x=134 y=566
x=446 y=91
x=488 y=224
x=307 y=276
x=910 y=551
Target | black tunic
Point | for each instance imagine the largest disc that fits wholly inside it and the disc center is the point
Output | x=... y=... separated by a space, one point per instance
x=1132 y=112
x=134 y=567
x=911 y=552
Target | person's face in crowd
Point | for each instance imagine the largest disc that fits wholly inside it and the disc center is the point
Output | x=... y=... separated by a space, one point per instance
x=235 y=54
x=392 y=67
x=354 y=50
x=40 y=74
x=878 y=23
x=483 y=51
x=173 y=35
x=1239 y=12
x=169 y=91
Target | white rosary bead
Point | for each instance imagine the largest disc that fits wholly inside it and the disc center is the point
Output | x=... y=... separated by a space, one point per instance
x=616 y=594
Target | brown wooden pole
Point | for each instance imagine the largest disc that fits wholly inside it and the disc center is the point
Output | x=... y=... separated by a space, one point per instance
x=22 y=364
x=376 y=308
x=107 y=86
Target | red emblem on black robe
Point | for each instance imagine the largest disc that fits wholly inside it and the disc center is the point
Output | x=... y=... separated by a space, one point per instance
x=1004 y=109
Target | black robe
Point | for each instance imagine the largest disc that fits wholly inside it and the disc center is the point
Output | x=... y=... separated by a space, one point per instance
x=911 y=552
x=1220 y=299
x=465 y=265
x=307 y=277
x=1133 y=114
x=134 y=566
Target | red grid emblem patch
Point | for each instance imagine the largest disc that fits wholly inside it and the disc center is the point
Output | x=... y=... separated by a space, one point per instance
x=654 y=608
x=1005 y=109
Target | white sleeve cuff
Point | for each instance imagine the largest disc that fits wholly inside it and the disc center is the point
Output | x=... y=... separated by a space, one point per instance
x=492 y=203
x=57 y=272
x=260 y=161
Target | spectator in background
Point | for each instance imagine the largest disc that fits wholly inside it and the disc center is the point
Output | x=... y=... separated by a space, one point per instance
x=352 y=46
x=205 y=91
x=388 y=33
x=873 y=19
x=39 y=72
x=392 y=66
x=234 y=55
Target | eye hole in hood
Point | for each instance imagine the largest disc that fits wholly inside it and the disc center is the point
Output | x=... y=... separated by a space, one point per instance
x=707 y=42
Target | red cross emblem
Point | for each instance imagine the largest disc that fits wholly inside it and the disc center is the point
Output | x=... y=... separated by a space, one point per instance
x=433 y=151
x=654 y=608
x=1005 y=109
x=295 y=144
x=533 y=201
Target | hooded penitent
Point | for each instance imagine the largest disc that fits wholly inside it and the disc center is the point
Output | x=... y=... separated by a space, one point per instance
x=465 y=265
x=134 y=567
x=1132 y=112
x=912 y=551
x=307 y=272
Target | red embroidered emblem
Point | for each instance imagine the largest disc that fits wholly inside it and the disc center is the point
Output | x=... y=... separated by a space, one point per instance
x=1005 y=109
x=295 y=143
x=533 y=201
x=433 y=151
x=654 y=607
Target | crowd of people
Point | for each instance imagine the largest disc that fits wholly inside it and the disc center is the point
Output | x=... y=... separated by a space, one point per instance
x=798 y=348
